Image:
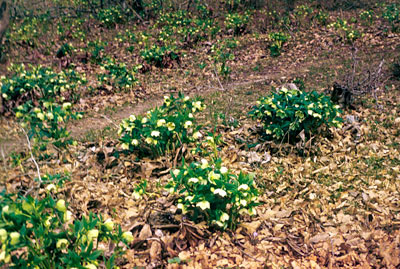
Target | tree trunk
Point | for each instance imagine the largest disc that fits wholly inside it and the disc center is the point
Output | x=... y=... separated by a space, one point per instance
x=4 y=21
x=4 y=18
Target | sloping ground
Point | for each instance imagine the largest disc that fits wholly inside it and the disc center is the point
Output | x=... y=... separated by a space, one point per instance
x=336 y=205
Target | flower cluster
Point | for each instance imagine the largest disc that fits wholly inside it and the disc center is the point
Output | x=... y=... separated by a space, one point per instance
x=322 y=17
x=345 y=30
x=286 y=113
x=163 y=128
x=303 y=14
x=183 y=27
x=391 y=13
x=210 y=190
x=48 y=122
x=277 y=39
x=45 y=228
x=222 y=53
x=109 y=17
x=37 y=83
x=117 y=75
x=159 y=55
x=367 y=16
x=237 y=22
x=27 y=31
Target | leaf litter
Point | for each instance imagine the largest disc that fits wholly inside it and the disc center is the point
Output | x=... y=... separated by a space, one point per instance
x=335 y=205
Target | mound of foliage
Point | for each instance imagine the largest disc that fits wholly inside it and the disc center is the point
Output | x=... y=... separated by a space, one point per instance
x=286 y=113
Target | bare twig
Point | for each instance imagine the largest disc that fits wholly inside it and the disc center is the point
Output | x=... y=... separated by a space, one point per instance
x=137 y=15
x=110 y=120
x=219 y=81
x=359 y=81
x=241 y=248
x=33 y=160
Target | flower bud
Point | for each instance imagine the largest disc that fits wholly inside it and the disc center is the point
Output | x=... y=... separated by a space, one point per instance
x=67 y=105
x=92 y=234
x=14 y=238
x=50 y=115
x=127 y=236
x=91 y=266
x=40 y=116
x=6 y=209
x=67 y=216
x=28 y=207
x=51 y=187
x=109 y=224
x=3 y=235
x=47 y=222
x=6 y=258
x=61 y=205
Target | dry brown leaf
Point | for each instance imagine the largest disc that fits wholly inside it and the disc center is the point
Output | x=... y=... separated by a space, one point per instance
x=155 y=251
x=145 y=232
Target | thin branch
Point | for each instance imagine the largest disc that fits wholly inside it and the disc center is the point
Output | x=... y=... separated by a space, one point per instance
x=219 y=81
x=32 y=158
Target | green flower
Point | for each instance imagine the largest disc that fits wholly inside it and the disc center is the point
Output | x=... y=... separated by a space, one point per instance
x=161 y=123
x=223 y=170
x=60 y=205
x=3 y=235
x=127 y=236
x=203 y=205
x=62 y=243
x=213 y=176
x=92 y=234
x=220 y=192
x=155 y=133
x=204 y=163
x=109 y=224
x=197 y=135
x=176 y=172
x=171 y=126
x=224 y=217
x=47 y=221
x=125 y=146
x=67 y=216
x=188 y=124
x=4 y=257
x=50 y=115
x=193 y=180
x=51 y=188
x=67 y=106
x=5 y=209
x=14 y=238
x=135 y=142
x=132 y=118
x=243 y=187
x=40 y=116
x=28 y=207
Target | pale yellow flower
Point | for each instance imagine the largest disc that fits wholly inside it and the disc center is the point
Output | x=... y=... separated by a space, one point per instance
x=243 y=187
x=224 y=217
x=155 y=133
x=161 y=123
x=220 y=192
x=171 y=126
x=203 y=205
x=62 y=243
